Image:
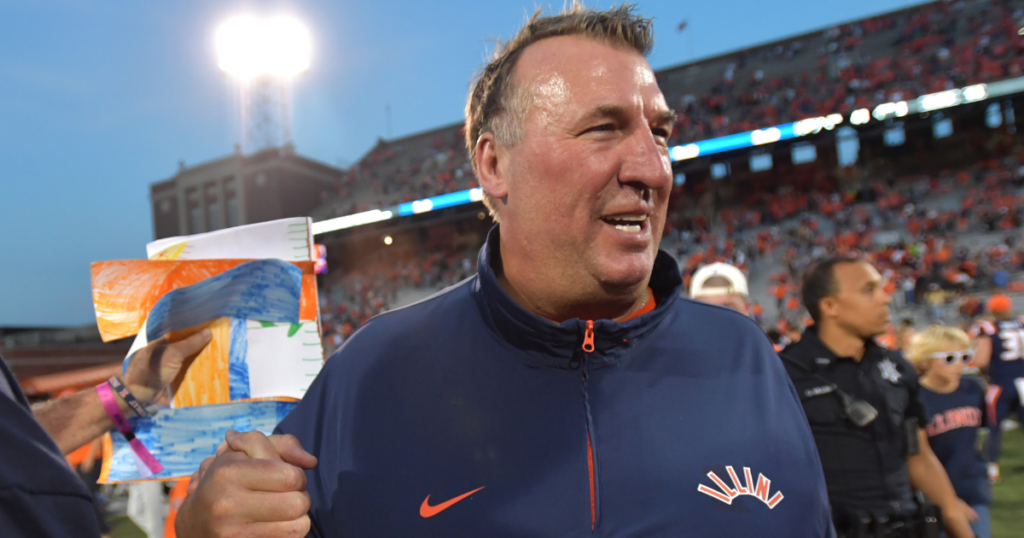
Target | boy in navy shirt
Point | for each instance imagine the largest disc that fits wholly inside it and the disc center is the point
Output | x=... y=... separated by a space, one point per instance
x=956 y=408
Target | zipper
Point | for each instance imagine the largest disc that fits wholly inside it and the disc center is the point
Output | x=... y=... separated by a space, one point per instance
x=588 y=338
x=588 y=348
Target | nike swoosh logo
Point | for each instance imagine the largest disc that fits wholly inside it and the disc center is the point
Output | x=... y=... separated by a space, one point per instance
x=430 y=511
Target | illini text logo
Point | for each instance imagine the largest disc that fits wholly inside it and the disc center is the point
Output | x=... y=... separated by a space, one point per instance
x=726 y=494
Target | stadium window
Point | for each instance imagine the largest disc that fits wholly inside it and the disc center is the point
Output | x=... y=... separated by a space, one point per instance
x=804 y=153
x=719 y=170
x=1008 y=117
x=847 y=146
x=993 y=116
x=195 y=211
x=234 y=218
x=895 y=135
x=942 y=127
x=760 y=163
x=679 y=180
x=214 y=216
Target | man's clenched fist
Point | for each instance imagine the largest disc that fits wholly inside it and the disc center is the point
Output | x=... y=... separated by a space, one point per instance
x=254 y=487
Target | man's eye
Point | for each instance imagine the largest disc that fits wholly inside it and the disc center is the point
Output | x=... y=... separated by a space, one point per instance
x=658 y=131
x=602 y=127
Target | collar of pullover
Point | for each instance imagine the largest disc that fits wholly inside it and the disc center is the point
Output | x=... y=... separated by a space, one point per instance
x=561 y=346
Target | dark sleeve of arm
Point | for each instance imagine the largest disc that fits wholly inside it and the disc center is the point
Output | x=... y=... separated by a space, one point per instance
x=322 y=423
x=31 y=514
x=40 y=497
x=788 y=373
x=306 y=423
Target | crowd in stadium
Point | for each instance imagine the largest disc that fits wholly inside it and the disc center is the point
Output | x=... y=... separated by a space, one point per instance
x=893 y=57
x=935 y=47
x=912 y=230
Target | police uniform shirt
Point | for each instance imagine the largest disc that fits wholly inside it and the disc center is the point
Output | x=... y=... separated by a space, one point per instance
x=952 y=433
x=865 y=467
x=40 y=496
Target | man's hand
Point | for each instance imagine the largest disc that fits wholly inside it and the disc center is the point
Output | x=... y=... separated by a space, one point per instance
x=79 y=418
x=254 y=487
x=969 y=513
x=153 y=367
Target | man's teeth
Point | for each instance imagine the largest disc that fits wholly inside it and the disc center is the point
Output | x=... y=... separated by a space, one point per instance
x=627 y=223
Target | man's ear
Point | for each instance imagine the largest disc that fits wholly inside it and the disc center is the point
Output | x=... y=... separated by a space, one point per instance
x=489 y=173
x=827 y=306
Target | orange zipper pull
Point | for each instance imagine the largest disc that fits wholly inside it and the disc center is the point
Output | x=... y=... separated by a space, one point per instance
x=588 y=337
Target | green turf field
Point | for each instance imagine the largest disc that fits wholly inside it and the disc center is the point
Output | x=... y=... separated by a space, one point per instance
x=1008 y=495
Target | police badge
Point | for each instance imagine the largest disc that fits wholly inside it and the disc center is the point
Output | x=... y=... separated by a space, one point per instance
x=889 y=371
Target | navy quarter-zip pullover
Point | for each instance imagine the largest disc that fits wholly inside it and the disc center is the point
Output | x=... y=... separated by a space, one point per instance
x=464 y=415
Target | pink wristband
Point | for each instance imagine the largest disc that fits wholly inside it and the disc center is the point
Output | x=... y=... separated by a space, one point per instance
x=110 y=405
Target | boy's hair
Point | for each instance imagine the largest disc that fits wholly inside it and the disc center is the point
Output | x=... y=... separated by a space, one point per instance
x=934 y=339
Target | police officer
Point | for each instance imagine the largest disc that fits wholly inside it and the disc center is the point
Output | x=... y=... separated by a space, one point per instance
x=862 y=404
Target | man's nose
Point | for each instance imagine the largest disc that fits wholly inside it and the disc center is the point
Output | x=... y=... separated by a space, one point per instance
x=645 y=162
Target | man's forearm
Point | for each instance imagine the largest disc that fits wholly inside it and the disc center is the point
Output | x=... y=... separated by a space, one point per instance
x=75 y=420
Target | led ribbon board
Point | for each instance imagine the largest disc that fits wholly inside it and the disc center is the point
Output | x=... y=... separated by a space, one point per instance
x=758 y=137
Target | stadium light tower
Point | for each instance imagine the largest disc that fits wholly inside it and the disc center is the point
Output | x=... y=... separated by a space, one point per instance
x=264 y=55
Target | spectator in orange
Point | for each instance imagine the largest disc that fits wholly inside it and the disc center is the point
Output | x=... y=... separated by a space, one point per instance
x=174 y=499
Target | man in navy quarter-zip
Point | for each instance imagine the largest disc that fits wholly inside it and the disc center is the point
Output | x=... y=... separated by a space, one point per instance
x=566 y=389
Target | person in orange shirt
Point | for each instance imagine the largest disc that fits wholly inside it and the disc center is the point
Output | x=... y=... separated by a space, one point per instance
x=780 y=295
x=175 y=497
x=889 y=339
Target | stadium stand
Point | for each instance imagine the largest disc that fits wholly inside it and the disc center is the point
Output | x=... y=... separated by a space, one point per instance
x=941 y=221
x=898 y=55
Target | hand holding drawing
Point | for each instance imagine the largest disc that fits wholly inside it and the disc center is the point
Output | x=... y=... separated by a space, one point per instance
x=79 y=418
x=152 y=368
x=255 y=486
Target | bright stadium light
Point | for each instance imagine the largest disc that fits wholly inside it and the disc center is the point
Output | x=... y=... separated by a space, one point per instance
x=765 y=136
x=935 y=101
x=975 y=93
x=249 y=47
x=860 y=116
x=681 y=153
x=348 y=221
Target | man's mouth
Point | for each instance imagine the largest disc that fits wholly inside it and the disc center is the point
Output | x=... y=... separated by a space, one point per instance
x=626 y=223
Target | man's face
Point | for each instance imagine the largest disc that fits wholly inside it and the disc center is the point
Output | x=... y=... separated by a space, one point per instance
x=588 y=184
x=736 y=302
x=860 y=306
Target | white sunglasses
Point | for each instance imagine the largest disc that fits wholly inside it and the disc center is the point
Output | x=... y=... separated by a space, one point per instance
x=952 y=357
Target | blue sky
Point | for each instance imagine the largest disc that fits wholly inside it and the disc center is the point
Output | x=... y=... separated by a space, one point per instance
x=100 y=99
